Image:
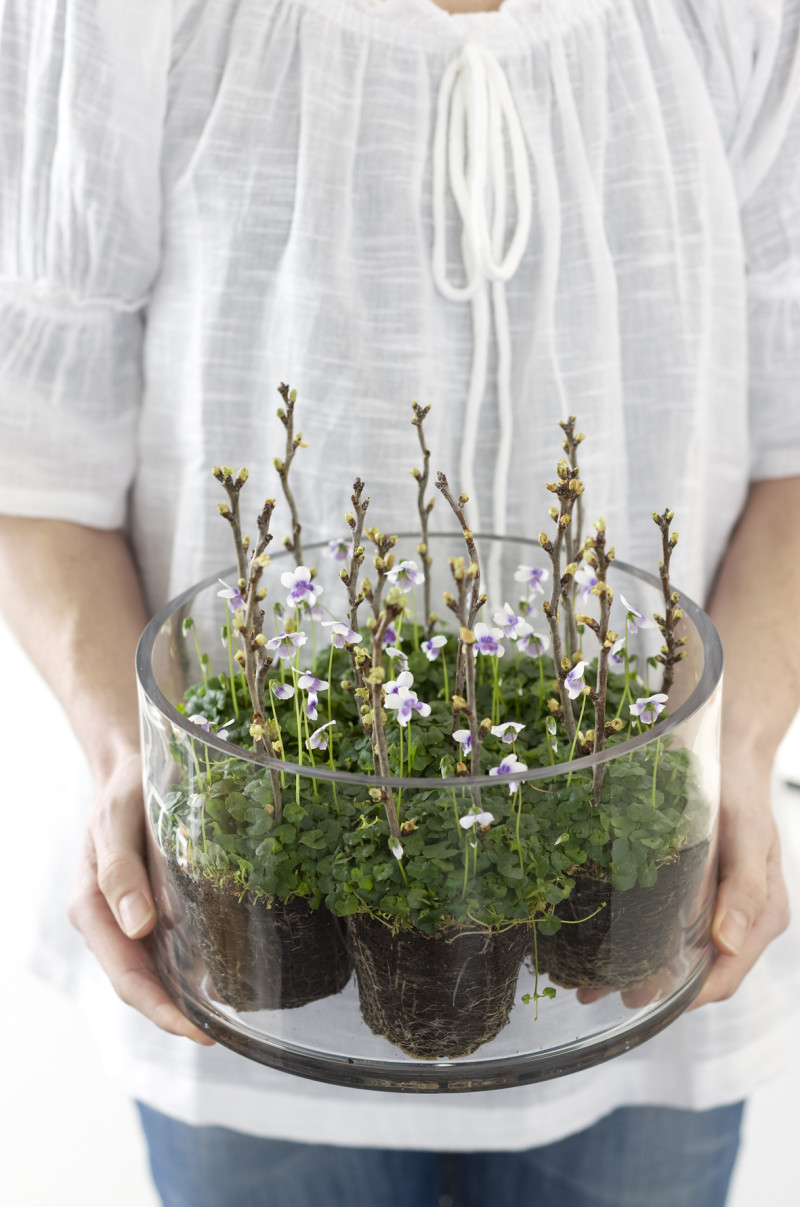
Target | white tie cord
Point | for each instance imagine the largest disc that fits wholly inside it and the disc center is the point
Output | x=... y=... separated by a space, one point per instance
x=474 y=103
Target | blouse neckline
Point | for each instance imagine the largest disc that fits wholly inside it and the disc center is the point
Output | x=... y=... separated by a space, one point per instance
x=513 y=29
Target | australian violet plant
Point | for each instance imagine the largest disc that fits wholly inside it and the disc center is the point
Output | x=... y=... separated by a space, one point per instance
x=375 y=683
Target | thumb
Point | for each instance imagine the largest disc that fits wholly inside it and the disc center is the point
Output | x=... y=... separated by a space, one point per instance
x=118 y=839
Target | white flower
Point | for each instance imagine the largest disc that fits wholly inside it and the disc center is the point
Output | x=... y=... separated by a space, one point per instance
x=396 y=847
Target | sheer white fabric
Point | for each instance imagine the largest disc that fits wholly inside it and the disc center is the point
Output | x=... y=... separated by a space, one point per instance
x=202 y=199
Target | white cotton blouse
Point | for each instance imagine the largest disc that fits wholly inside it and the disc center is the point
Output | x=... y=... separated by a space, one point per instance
x=585 y=207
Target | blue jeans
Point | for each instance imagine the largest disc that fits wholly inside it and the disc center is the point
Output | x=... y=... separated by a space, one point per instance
x=635 y=1157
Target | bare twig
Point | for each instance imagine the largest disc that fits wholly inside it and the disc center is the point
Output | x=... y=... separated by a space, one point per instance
x=567 y=490
x=424 y=508
x=600 y=559
x=671 y=652
x=464 y=577
x=247 y=622
x=293 y=442
x=383 y=562
x=477 y=600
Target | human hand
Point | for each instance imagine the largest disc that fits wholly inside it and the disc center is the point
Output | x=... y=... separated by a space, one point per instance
x=752 y=903
x=112 y=904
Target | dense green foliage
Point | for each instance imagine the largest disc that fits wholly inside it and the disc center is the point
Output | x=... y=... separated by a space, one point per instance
x=332 y=843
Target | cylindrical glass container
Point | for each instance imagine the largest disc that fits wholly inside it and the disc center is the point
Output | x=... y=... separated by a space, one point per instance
x=530 y=921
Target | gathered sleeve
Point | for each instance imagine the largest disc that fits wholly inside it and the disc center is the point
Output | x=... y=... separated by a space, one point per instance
x=82 y=98
x=765 y=157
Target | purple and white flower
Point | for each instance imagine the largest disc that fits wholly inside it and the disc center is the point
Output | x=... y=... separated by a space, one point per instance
x=648 y=708
x=431 y=648
x=310 y=683
x=281 y=691
x=487 y=641
x=507 y=732
x=312 y=700
x=405 y=574
x=617 y=652
x=232 y=594
x=340 y=550
x=204 y=723
x=400 y=697
x=634 y=618
x=301 y=588
x=586 y=580
x=533 y=577
x=403 y=682
x=396 y=654
x=533 y=645
x=286 y=645
x=319 y=738
x=512 y=626
x=574 y=681
x=341 y=633
x=475 y=819
x=390 y=636
x=464 y=739
x=508 y=766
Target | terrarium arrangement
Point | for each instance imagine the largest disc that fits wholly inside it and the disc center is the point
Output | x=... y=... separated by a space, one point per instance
x=438 y=799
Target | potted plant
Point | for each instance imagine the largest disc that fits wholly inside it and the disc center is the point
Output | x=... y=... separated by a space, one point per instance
x=465 y=796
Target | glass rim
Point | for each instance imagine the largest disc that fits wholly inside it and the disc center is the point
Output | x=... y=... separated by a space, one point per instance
x=710 y=678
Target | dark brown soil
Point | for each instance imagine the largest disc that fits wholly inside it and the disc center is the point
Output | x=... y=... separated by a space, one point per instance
x=436 y=997
x=261 y=954
x=633 y=935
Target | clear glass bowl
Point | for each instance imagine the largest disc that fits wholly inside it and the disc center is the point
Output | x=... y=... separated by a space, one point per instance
x=608 y=964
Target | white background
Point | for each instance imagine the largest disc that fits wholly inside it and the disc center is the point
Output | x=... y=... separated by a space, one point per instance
x=69 y=1136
